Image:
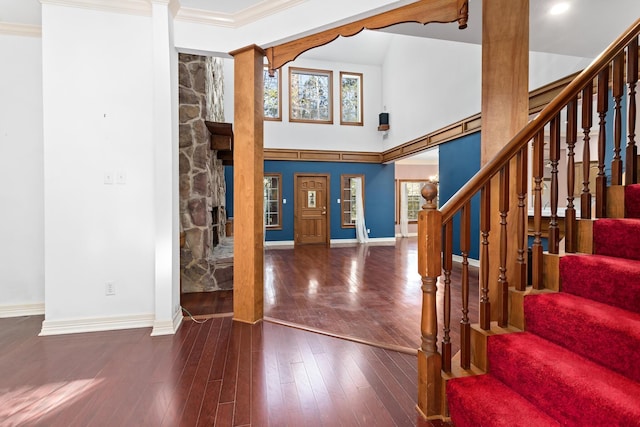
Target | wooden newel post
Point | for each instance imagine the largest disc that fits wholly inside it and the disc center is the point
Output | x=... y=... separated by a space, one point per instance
x=429 y=267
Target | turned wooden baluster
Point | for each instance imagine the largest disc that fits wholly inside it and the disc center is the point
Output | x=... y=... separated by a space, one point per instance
x=554 y=158
x=631 y=161
x=587 y=112
x=521 y=189
x=485 y=228
x=429 y=264
x=447 y=265
x=603 y=107
x=465 y=325
x=536 y=247
x=618 y=90
x=503 y=283
x=570 y=232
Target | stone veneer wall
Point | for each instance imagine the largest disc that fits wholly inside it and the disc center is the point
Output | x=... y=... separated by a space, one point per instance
x=202 y=185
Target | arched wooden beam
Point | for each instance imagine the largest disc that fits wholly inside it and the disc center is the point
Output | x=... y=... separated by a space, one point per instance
x=423 y=12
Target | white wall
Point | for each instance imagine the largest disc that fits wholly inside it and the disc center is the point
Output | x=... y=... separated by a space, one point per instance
x=98 y=104
x=285 y=134
x=21 y=174
x=545 y=68
x=418 y=89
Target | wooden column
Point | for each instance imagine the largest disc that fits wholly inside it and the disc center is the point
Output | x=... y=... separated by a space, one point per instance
x=248 y=171
x=505 y=105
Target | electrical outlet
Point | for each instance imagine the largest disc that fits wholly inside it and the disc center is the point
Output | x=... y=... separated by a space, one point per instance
x=109 y=289
x=108 y=177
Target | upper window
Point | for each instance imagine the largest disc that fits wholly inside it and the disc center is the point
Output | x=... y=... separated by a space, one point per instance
x=310 y=95
x=349 y=209
x=350 y=98
x=272 y=90
x=272 y=200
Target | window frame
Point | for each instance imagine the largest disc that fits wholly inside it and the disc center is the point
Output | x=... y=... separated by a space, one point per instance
x=266 y=200
x=422 y=182
x=278 y=75
x=343 y=193
x=360 y=107
x=314 y=72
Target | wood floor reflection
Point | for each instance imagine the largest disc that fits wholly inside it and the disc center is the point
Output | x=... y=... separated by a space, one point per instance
x=368 y=292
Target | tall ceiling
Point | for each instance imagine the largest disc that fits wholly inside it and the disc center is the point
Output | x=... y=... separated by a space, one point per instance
x=584 y=30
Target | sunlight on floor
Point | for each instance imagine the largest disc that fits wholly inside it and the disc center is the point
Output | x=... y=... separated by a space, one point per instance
x=28 y=404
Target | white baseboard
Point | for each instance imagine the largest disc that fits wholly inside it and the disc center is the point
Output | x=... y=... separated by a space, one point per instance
x=276 y=243
x=167 y=327
x=19 y=310
x=472 y=262
x=76 y=326
x=398 y=235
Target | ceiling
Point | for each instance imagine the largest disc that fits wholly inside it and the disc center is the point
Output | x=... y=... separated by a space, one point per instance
x=584 y=30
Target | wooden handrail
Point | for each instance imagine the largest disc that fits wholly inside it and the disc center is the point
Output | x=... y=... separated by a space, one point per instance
x=455 y=203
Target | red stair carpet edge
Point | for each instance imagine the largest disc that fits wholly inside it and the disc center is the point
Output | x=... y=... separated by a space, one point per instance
x=569 y=388
x=606 y=335
x=617 y=237
x=613 y=281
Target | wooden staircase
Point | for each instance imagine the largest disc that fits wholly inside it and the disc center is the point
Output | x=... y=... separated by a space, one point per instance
x=496 y=344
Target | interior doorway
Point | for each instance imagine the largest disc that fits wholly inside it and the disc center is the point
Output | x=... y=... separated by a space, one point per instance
x=311 y=225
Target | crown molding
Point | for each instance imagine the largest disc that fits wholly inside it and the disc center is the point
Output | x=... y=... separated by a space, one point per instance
x=237 y=19
x=23 y=30
x=132 y=7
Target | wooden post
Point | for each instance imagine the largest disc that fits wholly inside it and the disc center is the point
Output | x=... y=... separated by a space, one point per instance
x=505 y=111
x=429 y=262
x=248 y=171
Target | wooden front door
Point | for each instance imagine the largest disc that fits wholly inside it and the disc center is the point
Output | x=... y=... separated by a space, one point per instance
x=312 y=209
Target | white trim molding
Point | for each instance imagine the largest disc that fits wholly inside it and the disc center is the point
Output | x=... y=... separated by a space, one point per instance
x=23 y=30
x=76 y=326
x=278 y=243
x=472 y=262
x=236 y=19
x=132 y=7
x=167 y=327
x=19 y=310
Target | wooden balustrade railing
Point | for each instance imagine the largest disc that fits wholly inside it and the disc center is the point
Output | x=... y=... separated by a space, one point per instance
x=611 y=81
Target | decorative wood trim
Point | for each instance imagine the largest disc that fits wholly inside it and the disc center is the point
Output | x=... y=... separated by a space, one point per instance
x=22 y=30
x=423 y=12
x=322 y=156
x=453 y=131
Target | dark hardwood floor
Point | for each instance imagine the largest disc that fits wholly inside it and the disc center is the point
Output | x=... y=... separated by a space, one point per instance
x=226 y=373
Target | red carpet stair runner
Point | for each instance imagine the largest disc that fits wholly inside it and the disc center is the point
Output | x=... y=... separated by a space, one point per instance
x=578 y=362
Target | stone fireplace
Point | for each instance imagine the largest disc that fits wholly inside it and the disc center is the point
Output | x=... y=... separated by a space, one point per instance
x=201 y=177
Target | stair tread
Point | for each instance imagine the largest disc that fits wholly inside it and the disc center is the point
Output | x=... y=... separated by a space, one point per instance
x=632 y=200
x=568 y=387
x=604 y=334
x=611 y=237
x=616 y=281
x=481 y=400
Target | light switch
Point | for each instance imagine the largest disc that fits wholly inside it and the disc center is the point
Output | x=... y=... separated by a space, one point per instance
x=108 y=177
x=338 y=201
x=121 y=177
x=284 y=201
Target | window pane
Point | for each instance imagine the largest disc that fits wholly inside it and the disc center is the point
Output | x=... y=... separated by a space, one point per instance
x=272 y=207
x=271 y=94
x=310 y=95
x=351 y=98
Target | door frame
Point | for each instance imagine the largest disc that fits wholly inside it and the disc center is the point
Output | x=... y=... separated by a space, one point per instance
x=327 y=239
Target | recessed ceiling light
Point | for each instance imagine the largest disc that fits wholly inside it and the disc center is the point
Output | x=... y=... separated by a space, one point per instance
x=559 y=8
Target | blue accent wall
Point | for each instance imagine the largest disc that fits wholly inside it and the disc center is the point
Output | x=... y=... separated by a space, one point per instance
x=379 y=199
x=459 y=161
